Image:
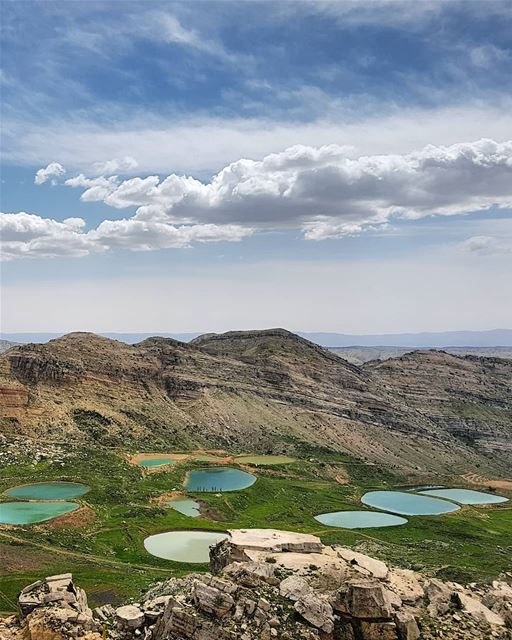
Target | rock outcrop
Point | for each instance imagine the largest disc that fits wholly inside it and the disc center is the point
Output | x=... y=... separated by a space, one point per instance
x=275 y=587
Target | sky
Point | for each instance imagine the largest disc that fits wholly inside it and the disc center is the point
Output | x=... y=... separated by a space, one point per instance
x=206 y=166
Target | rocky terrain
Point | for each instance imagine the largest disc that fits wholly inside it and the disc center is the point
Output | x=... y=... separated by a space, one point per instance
x=268 y=391
x=274 y=584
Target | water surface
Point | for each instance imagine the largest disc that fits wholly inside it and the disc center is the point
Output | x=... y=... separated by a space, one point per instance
x=219 y=479
x=359 y=519
x=48 y=491
x=408 y=504
x=183 y=546
x=32 y=512
x=466 y=496
x=186 y=506
x=156 y=462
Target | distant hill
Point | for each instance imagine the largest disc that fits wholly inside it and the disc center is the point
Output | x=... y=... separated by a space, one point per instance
x=426 y=340
x=6 y=344
x=359 y=355
x=263 y=391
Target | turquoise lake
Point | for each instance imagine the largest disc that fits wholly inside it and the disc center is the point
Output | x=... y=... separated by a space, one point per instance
x=219 y=479
x=32 y=512
x=156 y=462
x=186 y=506
x=48 y=491
x=407 y=504
x=466 y=496
x=183 y=546
x=359 y=519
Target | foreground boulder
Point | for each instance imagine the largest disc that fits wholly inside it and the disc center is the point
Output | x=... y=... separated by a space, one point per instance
x=270 y=584
x=53 y=609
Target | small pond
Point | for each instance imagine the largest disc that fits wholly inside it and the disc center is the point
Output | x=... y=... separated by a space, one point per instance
x=407 y=504
x=183 y=546
x=48 y=491
x=264 y=460
x=466 y=496
x=219 y=479
x=359 y=519
x=32 y=512
x=186 y=506
x=155 y=462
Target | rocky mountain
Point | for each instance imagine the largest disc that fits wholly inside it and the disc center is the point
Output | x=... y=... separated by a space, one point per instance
x=269 y=584
x=262 y=391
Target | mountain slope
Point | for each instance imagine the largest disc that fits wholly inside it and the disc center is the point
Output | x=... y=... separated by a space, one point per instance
x=260 y=390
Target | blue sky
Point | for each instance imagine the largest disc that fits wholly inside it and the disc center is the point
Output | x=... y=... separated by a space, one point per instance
x=190 y=166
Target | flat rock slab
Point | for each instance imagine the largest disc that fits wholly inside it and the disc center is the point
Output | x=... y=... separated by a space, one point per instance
x=274 y=540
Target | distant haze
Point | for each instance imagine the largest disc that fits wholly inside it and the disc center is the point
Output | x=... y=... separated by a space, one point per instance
x=492 y=338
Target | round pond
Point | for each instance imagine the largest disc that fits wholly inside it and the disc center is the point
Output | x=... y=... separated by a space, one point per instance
x=186 y=506
x=33 y=512
x=219 y=479
x=264 y=460
x=48 y=491
x=465 y=496
x=183 y=546
x=359 y=519
x=156 y=462
x=407 y=504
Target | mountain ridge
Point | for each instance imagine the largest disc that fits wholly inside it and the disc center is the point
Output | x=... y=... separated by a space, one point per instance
x=430 y=339
x=269 y=391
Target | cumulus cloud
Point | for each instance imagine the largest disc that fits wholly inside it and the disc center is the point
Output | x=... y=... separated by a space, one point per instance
x=96 y=189
x=53 y=170
x=25 y=234
x=29 y=235
x=323 y=190
x=116 y=165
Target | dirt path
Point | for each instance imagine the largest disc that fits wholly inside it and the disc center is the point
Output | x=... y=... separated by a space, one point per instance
x=474 y=478
x=85 y=556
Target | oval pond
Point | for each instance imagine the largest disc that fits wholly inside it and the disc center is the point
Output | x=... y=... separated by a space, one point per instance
x=186 y=506
x=183 y=546
x=33 y=512
x=465 y=496
x=407 y=504
x=219 y=479
x=359 y=519
x=48 y=491
x=155 y=462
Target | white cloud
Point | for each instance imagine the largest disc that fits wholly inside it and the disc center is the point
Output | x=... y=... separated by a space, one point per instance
x=322 y=190
x=28 y=235
x=116 y=165
x=205 y=145
x=488 y=55
x=96 y=189
x=487 y=245
x=325 y=191
x=139 y=235
x=25 y=234
x=53 y=170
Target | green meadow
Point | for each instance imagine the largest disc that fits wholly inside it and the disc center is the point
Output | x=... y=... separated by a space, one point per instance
x=105 y=552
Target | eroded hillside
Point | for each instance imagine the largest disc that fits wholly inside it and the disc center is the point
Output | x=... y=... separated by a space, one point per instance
x=263 y=390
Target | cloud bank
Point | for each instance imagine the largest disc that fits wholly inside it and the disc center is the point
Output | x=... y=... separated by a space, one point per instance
x=321 y=190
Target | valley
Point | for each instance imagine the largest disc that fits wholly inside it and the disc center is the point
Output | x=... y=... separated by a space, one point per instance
x=249 y=430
